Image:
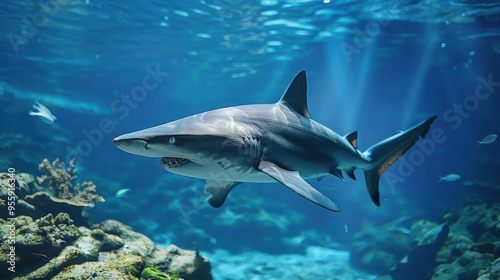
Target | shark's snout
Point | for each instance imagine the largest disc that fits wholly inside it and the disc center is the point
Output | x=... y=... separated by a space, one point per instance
x=136 y=146
x=146 y=147
x=120 y=140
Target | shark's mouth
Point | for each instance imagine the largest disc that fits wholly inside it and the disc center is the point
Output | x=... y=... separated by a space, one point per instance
x=170 y=162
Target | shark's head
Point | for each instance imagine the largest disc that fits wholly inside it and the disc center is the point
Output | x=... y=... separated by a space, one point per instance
x=188 y=146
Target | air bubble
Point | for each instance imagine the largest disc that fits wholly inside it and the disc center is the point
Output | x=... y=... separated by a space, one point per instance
x=443 y=45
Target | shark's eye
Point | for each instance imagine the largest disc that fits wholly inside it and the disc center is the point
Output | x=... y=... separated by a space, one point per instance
x=171 y=140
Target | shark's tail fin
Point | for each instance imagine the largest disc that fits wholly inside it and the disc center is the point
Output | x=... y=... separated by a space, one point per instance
x=385 y=153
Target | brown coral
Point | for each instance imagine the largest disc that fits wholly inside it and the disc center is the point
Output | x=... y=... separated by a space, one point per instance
x=86 y=192
x=61 y=179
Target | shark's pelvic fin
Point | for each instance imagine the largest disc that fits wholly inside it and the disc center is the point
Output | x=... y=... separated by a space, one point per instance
x=353 y=139
x=293 y=181
x=350 y=173
x=295 y=96
x=216 y=191
x=385 y=153
x=320 y=178
x=338 y=173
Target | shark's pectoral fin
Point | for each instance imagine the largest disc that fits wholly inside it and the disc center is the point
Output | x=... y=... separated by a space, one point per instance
x=293 y=181
x=216 y=191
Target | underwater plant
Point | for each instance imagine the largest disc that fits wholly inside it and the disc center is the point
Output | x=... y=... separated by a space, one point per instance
x=61 y=181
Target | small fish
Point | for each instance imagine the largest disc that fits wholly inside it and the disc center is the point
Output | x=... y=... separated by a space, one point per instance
x=488 y=139
x=450 y=178
x=121 y=193
x=405 y=230
x=346 y=228
x=41 y=256
x=43 y=112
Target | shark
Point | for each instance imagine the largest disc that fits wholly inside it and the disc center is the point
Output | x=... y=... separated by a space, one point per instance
x=267 y=143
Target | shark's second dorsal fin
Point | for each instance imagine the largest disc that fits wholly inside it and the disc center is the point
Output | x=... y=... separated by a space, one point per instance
x=295 y=96
x=353 y=139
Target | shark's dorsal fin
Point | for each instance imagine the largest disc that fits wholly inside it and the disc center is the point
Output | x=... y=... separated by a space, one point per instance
x=295 y=96
x=353 y=139
x=216 y=191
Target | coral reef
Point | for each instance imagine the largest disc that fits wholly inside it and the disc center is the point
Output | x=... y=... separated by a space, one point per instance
x=491 y=272
x=54 y=248
x=193 y=219
x=171 y=259
x=426 y=240
x=61 y=179
x=377 y=249
x=123 y=267
x=44 y=241
x=464 y=245
x=36 y=241
x=64 y=194
x=473 y=242
x=42 y=203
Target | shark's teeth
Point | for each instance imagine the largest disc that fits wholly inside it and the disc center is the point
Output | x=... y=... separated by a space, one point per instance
x=173 y=162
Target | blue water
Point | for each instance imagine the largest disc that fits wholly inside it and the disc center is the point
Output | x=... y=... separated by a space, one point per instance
x=372 y=66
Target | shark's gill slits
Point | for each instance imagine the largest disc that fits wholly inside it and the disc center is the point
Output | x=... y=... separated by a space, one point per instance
x=173 y=162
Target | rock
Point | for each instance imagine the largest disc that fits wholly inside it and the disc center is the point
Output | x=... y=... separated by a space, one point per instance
x=468 y=221
x=187 y=264
x=46 y=246
x=135 y=242
x=473 y=242
x=109 y=241
x=490 y=220
x=427 y=240
x=456 y=245
x=124 y=267
x=378 y=249
x=37 y=241
x=89 y=245
x=44 y=203
x=467 y=266
x=491 y=272
x=23 y=184
x=171 y=259
x=69 y=256
x=54 y=248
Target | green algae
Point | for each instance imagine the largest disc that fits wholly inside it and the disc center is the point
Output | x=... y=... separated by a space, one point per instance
x=153 y=273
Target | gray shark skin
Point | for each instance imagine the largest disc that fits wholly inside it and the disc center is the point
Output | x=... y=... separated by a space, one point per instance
x=267 y=143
